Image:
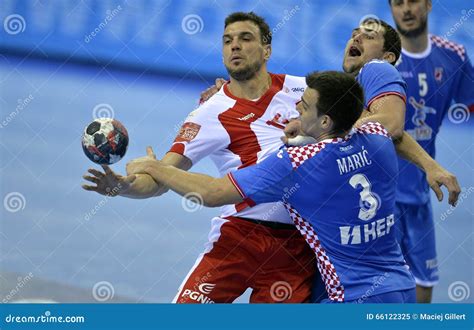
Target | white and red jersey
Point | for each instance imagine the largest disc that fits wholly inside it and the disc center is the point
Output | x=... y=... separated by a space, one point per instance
x=237 y=133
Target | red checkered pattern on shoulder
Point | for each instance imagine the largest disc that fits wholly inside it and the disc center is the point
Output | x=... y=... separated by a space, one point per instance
x=373 y=128
x=445 y=43
x=300 y=154
x=327 y=270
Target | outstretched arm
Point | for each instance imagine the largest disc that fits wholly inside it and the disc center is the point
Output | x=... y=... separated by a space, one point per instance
x=134 y=185
x=210 y=191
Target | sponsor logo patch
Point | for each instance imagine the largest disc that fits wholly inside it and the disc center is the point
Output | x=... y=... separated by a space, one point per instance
x=188 y=132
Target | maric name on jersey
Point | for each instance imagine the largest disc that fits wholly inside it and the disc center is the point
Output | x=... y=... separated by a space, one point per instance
x=353 y=162
x=368 y=232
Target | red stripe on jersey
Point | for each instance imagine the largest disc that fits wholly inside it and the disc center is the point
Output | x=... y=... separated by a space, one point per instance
x=385 y=94
x=177 y=148
x=237 y=121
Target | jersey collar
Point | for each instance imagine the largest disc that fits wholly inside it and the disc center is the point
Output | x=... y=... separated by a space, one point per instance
x=423 y=54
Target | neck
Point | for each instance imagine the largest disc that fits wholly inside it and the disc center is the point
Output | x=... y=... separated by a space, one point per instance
x=253 y=88
x=415 y=44
x=330 y=135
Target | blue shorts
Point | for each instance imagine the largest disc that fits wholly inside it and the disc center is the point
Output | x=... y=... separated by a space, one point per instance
x=395 y=297
x=414 y=228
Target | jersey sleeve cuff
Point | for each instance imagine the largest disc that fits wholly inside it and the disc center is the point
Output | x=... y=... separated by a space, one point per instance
x=236 y=185
x=403 y=97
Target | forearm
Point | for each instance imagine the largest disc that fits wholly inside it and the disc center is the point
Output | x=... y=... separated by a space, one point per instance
x=410 y=150
x=143 y=187
x=393 y=128
x=212 y=191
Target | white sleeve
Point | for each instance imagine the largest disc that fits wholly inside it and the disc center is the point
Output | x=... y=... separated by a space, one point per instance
x=201 y=135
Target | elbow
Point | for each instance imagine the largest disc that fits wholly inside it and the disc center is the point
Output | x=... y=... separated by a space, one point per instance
x=211 y=200
x=396 y=132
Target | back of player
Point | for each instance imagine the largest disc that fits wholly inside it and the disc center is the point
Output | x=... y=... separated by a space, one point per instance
x=355 y=220
x=341 y=196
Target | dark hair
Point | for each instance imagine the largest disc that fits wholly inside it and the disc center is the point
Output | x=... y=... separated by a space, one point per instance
x=265 y=34
x=392 y=42
x=340 y=97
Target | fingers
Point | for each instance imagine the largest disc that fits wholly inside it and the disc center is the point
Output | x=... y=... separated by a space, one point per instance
x=93 y=179
x=129 y=179
x=90 y=188
x=292 y=129
x=454 y=190
x=107 y=170
x=150 y=153
x=220 y=82
x=437 y=190
x=98 y=174
x=284 y=139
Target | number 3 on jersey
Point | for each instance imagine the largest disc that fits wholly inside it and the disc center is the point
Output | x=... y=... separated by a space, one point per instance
x=369 y=204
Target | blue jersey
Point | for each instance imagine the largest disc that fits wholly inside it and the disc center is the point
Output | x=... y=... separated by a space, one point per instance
x=341 y=196
x=436 y=78
x=380 y=78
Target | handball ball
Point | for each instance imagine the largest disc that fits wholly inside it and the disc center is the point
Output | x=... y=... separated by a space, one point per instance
x=105 y=141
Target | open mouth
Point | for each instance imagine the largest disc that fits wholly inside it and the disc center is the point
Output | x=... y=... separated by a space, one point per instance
x=354 y=51
x=408 y=19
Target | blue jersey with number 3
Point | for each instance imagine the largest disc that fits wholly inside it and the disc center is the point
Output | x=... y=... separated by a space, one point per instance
x=440 y=82
x=341 y=195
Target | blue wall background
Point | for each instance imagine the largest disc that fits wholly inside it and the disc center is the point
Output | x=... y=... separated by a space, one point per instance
x=184 y=37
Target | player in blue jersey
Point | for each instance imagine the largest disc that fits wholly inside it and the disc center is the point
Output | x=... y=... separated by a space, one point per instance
x=340 y=192
x=438 y=73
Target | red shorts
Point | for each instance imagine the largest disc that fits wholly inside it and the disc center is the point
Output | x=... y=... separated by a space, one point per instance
x=276 y=263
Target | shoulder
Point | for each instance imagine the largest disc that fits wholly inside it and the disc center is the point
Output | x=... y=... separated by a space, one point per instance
x=298 y=155
x=372 y=128
x=216 y=104
x=295 y=83
x=454 y=49
x=375 y=68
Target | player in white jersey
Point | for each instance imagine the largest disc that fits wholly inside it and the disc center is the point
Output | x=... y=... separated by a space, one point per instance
x=249 y=247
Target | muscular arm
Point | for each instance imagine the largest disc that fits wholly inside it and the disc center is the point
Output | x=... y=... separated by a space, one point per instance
x=212 y=191
x=389 y=111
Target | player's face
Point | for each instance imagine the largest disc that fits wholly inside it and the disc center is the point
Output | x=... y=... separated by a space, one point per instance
x=310 y=121
x=410 y=16
x=243 y=51
x=365 y=44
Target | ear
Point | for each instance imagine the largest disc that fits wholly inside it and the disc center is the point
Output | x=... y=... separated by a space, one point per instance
x=326 y=122
x=389 y=57
x=267 y=49
x=429 y=6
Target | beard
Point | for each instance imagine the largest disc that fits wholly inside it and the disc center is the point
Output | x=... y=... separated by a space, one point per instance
x=245 y=73
x=416 y=31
